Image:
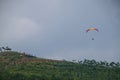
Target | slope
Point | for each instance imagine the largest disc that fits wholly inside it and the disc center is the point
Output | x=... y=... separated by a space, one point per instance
x=21 y=66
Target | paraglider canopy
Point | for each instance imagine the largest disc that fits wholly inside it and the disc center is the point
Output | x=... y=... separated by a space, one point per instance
x=89 y=29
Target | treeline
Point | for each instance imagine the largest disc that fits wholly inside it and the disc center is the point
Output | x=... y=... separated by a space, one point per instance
x=101 y=63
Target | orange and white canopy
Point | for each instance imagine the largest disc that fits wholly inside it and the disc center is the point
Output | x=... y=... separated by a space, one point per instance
x=89 y=29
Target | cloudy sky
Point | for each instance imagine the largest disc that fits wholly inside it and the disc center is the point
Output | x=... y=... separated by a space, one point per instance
x=55 y=29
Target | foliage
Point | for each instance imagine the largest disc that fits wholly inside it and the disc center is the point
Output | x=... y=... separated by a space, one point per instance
x=18 y=66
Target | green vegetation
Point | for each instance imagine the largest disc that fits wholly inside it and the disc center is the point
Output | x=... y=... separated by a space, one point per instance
x=21 y=66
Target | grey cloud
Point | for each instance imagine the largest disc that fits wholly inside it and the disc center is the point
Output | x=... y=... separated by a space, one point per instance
x=60 y=27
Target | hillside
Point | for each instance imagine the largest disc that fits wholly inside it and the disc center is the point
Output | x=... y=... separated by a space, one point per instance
x=21 y=66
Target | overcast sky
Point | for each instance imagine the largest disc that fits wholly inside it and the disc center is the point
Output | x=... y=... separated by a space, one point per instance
x=55 y=29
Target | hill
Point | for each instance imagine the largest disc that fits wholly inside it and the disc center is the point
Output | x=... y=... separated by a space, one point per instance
x=21 y=66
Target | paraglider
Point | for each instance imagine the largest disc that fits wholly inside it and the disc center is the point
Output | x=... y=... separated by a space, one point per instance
x=92 y=29
x=92 y=38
